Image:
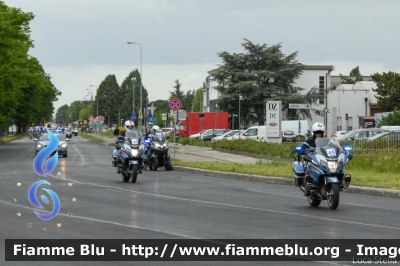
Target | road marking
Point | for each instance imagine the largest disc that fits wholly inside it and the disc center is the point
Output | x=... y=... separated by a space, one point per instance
x=236 y=206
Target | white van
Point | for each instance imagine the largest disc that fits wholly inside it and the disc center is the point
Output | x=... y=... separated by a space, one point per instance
x=294 y=125
x=258 y=133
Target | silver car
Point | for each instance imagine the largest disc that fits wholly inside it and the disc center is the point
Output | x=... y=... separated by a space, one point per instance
x=43 y=141
x=360 y=134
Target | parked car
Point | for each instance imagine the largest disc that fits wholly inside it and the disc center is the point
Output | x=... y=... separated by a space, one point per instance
x=338 y=133
x=167 y=131
x=43 y=141
x=197 y=135
x=390 y=136
x=217 y=133
x=288 y=135
x=225 y=135
x=360 y=134
x=208 y=135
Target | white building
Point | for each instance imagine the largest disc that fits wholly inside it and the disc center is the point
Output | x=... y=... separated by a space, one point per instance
x=355 y=100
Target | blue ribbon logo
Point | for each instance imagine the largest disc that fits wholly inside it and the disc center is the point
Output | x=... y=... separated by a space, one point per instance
x=48 y=168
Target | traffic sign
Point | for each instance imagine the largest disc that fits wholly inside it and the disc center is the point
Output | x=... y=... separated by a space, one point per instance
x=133 y=117
x=299 y=106
x=152 y=119
x=98 y=124
x=164 y=117
x=208 y=79
x=175 y=104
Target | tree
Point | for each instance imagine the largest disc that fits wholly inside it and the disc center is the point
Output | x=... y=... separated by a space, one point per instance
x=61 y=114
x=261 y=74
x=177 y=93
x=392 y=119
x=132 y=83
x=188 y=99
x=197 y=105
x=26 y=94
x=160 y=105
x=388 y=90
x=108 y=99
x=355 y=72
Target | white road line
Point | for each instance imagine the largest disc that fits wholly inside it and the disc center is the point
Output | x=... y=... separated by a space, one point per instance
x=241 y=207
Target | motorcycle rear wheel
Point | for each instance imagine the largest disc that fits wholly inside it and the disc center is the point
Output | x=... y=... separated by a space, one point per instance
x=313 y=202
x=134 y=173
x=332 y=196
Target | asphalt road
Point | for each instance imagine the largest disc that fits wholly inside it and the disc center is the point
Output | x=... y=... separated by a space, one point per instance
x=170 y=205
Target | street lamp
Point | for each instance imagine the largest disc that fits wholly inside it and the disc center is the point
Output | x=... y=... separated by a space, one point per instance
x=133 y=96
x=141 y=74
x=97 y=108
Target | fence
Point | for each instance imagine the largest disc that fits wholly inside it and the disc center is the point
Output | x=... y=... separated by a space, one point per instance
x=388 y=143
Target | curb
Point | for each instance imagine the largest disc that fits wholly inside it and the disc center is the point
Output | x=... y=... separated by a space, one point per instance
x=285 y=181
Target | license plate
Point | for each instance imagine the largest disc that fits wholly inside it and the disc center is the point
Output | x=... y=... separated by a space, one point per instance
x=133 y=162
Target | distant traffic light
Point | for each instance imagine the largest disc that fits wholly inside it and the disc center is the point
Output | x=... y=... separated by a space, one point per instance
x=347 y=116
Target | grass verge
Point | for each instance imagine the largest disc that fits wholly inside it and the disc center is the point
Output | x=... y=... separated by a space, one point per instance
x=91 y=138
x=361 y=176
x=11 y=138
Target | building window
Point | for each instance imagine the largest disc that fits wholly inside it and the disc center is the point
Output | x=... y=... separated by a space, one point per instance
x=322 y=89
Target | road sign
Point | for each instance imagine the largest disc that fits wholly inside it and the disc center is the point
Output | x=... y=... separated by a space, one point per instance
x=140 y=114
x=299 y=106
x=164 y=117
x=98 y=124
x=133 y=117
x=175 y=104
x=208 y=79
x=152 y=119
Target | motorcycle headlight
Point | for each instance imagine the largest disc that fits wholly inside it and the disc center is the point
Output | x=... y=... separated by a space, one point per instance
x=64 y=145
x=134 y=152
x=156 y=145
x=333 y=166
x=324 y=164
x=39 y=145
x=165 y=145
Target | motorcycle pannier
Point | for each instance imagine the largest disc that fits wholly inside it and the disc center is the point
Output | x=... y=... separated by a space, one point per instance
x=298 y=173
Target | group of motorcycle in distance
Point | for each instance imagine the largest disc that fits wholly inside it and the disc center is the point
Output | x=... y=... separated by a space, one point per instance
x=320 y=176
x=136 y=153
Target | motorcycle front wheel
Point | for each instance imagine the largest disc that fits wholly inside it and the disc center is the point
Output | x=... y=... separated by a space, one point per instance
x=313 y=202
x=332 y=196
x=134 y=173
x=168 y=164
x=125 y=177
x=155 y=164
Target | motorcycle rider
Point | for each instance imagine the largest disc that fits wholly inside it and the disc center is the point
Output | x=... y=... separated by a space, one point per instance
x=129 y=125
x=318 y=129
x=151 y=135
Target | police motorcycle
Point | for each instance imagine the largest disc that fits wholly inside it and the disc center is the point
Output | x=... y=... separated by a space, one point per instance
x=159 y=152
x=127 y=158
x=323 y=171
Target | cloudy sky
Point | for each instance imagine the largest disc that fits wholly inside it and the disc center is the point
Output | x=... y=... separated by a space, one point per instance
x=80 y=42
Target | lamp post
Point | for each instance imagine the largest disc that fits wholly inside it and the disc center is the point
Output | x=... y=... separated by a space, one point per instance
x=97 y=102
x=133 y=96
x=141 y=74
x=239 y=114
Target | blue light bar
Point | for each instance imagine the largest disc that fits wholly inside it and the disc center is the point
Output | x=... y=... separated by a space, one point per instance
x=348 y=148
x=298 y=148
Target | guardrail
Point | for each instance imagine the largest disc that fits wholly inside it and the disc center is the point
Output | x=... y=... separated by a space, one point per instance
x=390 y=143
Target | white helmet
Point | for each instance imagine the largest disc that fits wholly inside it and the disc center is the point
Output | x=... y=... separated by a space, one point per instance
x=155 y=128
x=129 y=125
x=318 y=128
